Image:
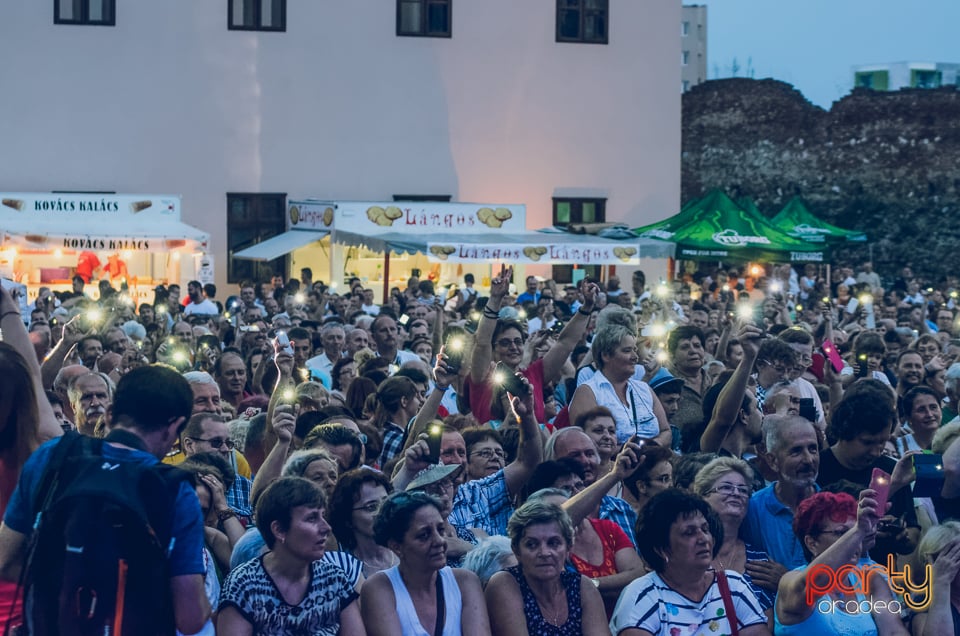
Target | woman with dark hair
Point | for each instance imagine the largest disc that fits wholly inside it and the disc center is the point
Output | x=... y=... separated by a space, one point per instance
x=290 y=590
x=834 y=530
x=353 y=507
x=679 y=536
x=344 y=372
x=654 y=475
x=356 y=396
x=398 y=401
x=502 y=341
x=26 y=419
x=635 y=408
x=552 y=599
x=429 y=597
x=920 y=406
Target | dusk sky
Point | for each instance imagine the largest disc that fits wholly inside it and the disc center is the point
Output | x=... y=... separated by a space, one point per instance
x=813 y=44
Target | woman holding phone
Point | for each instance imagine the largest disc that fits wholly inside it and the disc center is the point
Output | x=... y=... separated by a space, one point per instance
x=502 y=341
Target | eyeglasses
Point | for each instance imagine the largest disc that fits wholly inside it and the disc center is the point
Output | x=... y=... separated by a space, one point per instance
x=505 y=343
x=371 y=507
x=730 y=489
x=216 y=442
x=439 y=488
x=489 y=453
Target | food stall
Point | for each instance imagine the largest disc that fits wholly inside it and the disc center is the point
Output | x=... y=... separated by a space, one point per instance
x=382 y=242
x=138 y=239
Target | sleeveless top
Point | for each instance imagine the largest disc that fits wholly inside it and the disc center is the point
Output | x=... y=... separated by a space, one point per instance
x=410 y=622
x=536 y=623
x=634 y=417
x=833 y=621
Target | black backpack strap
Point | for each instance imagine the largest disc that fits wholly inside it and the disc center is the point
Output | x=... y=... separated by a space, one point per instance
x=72 y=443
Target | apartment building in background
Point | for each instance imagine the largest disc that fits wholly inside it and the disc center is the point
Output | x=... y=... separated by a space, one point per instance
x=897 y=75
x=693 y=46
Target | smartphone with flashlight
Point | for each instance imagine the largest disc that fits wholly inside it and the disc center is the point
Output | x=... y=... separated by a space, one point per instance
x=830 y=350
x=880 y=482
x=506 y=378
x=434 y=437
x=453 y=353
x=862 y=367
x=283 y=343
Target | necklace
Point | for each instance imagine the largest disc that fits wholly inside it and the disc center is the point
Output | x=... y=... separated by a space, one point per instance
x=556 y=614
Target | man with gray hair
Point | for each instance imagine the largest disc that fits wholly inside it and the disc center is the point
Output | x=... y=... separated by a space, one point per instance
x=206 y=392
x=793 y=451
x=572 y=443
x=332 y=339
x=61 y=387
x=90 y=393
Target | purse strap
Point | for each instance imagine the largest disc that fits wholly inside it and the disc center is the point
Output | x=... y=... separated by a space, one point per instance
x=727 y=602
x=441 y=607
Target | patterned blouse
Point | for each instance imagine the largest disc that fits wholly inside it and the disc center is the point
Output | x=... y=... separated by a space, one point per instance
x=537 y=625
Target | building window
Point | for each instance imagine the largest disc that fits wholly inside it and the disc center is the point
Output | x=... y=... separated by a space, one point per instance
x=684 y=86
x=89 y=12
x=684 y=28
x=424 y=18
x=684 y=57
x=582 y=21
x=876 y=80
x=574 y=211
x=258 y=15
x=252 y=218
x=925 y=79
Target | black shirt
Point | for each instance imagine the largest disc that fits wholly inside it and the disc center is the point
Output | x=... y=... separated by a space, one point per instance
x=831 y=472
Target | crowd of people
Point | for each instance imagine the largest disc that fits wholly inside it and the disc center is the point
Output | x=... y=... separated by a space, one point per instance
x=688 y=457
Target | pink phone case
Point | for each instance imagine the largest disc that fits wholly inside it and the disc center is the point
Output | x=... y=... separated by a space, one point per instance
x=830 y=350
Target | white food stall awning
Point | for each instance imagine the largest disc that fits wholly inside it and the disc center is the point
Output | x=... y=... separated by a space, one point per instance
x=280 y=245
x=99 y=223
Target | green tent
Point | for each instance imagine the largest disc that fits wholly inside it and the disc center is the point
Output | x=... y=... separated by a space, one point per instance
x=797 y=221
x=716 y=228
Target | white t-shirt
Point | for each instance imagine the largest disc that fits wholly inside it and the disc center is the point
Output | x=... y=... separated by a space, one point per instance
x=205 y=308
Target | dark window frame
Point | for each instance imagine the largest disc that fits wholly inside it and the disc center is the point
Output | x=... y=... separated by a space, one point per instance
x=576 y=210
x=83 y=8
x=424 y=30
x=242 y=269
x=564 y=273
x=257 y=20
x=603 y=12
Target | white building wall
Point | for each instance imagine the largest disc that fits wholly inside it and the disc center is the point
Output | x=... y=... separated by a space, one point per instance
x=169 y=100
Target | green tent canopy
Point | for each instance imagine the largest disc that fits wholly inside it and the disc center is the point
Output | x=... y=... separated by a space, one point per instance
x=716 y=228
x=797 y=221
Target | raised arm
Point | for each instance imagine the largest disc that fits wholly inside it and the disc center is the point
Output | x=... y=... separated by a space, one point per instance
x=585 y=502
x=15 y=335
x=730 y=400
x=428 y=412
x=791 y=595
x=555 y=358
x=530 y=449
x=483 y=347
x=282 y=423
